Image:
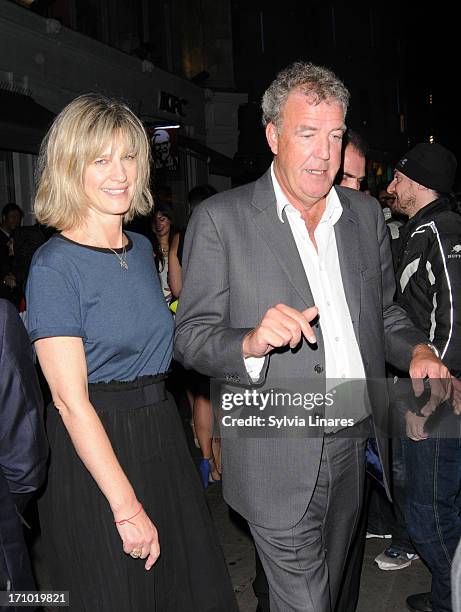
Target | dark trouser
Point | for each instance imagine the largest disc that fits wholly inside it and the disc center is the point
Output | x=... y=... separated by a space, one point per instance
x=433 y=507
x=304 y=564
x=380 y=520
x=400 y=537
x=260 y=585
x=350 y=586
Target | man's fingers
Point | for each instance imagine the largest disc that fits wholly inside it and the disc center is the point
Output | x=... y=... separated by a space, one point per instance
x=415 y=427
x=298 y=322
x=302 y=319
x=418 y=386
x=277 y=337
x=416 y=434
x=310 y=313
x=440 y=391
x=280 y=326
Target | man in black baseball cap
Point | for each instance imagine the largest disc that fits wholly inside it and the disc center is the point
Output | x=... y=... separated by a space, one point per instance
x=429 y=289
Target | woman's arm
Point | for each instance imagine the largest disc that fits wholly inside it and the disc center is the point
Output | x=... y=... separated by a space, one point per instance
x=63 y=363
x=174 y=268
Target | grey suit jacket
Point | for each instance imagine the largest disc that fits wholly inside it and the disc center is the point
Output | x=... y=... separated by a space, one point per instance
x=240 y=260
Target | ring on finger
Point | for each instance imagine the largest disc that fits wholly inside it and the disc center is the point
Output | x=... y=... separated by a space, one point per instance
x=135 y=553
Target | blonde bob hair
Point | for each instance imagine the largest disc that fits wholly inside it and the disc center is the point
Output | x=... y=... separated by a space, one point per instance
x=78 y=136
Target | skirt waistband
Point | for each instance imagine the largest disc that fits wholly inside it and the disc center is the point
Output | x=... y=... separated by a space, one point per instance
x=125 y=385
x=131 y=394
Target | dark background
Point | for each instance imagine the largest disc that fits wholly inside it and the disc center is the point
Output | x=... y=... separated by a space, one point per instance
x=399 y=59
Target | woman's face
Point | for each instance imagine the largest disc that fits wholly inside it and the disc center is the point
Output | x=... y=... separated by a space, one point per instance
x=109 y=180
x=162 y=224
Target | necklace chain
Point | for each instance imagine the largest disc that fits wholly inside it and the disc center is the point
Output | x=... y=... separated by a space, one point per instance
x=121 y=258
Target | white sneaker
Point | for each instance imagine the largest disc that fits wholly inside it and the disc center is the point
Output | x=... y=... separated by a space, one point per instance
x=386 y=536
x=394 y=559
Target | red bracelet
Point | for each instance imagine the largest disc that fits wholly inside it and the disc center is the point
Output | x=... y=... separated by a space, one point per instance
x=128 y=520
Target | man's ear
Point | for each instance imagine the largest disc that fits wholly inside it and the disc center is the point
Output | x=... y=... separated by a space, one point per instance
x=272 y=137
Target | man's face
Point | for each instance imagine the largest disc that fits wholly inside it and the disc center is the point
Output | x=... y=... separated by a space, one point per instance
x=404 y=191
x=307 y=148
x=12 y=220
x=353 y=168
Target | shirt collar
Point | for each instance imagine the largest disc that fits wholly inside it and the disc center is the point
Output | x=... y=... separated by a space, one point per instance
x=333 y=209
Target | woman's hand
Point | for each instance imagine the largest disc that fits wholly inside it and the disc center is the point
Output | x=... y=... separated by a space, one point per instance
x=139 y=536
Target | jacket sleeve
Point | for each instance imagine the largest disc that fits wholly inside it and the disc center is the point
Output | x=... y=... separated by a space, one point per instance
x=23 y=445
x=204 y=339
x=443 y=269
x=400 y=335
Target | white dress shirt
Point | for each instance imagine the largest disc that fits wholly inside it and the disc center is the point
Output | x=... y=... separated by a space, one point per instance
x=342 y=355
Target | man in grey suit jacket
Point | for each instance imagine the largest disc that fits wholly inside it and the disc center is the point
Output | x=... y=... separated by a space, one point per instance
x=261 y=263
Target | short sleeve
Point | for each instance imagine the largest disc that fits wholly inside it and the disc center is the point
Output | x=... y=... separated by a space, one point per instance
x=53 y=304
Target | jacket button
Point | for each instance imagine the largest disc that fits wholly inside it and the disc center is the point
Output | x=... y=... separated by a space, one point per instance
x=318 y=368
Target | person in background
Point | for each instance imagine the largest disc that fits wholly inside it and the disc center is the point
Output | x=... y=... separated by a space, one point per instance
x=353 y=166
x=384 y=516
x=429 y=290
x=11 y=219
x=23 y=447
x=161 y=234
x=394 y=221
x=123 y=517
x=198 y=385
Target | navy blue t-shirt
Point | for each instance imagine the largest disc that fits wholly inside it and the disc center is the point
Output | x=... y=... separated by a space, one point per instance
x=121 y=315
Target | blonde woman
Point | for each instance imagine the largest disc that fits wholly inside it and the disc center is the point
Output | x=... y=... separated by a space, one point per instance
x=123 y=519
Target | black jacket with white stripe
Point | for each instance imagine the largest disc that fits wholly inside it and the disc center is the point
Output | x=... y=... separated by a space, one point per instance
x=429 y=277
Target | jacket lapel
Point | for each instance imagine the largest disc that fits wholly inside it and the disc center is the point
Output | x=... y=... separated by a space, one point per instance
x=278 y=237
x=348 y=245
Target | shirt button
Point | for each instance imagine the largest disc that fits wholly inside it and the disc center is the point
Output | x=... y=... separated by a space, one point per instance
x=318 y=368
x=337 y=339
x=328 y=303
x=343 y=376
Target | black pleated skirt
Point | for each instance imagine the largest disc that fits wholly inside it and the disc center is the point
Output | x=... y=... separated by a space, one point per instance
x=82 y=547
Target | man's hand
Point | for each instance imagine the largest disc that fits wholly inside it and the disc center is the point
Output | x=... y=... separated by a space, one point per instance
x=426 y=364
x=456 y=394
x=415 y=427
x=280 y=326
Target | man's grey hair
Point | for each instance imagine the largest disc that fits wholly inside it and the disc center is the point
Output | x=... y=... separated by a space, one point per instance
x=317 y=82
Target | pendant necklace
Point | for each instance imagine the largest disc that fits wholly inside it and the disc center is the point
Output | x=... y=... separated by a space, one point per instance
x=121 y=258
